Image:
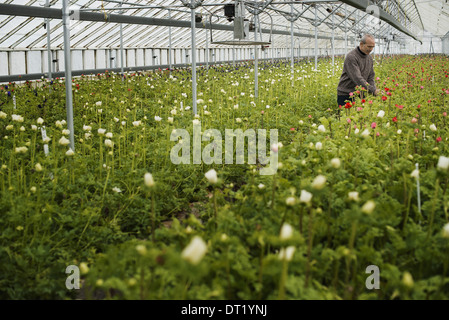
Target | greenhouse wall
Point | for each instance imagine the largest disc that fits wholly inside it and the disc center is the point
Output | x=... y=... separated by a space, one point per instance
x=445 y=44
x=36 y=61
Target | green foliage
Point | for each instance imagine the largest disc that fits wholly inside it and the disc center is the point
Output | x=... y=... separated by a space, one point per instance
x=94 y=209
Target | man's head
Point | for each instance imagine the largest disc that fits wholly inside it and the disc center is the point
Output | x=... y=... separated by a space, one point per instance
x=367 y=44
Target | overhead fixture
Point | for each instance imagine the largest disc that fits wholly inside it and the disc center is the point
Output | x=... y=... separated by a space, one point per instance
x=229 y=12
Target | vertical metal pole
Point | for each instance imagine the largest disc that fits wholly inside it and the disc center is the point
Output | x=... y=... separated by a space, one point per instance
x=207 y=51
x=121 y=47
x=346 y=29
x=192 y=16
x=256 y=59
x=169 y=44
x=333 y=43
x=292 y=44
x=68 y=71
x=47 y=24
x=316 y=38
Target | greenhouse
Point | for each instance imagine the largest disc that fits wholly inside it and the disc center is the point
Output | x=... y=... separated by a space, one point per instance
x=224 y=150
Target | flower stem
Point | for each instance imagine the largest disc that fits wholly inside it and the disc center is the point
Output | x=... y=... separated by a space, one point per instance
x=284 y=272
x=432 y=214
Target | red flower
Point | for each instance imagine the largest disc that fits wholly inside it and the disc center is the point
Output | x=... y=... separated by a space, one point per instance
x=395 y=119
x=348 y=105
x=292 y=129
x=438 y=139
x=384 y=98
x=363 y=101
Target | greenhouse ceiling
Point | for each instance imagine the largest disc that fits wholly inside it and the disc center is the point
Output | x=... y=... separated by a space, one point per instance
x=96 y=24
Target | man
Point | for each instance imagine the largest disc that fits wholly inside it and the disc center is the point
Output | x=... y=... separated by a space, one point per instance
x=358 y=70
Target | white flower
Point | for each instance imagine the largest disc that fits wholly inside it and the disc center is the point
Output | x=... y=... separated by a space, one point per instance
x=16 y=117
x=156 y=118
x=116 y=189
x=33 y=189
x=2 y=115
x=365 y=133
x=318 y=146
x=356 y=131
x=98 y=103
x=109 y=143
x=321 y=128
x=124 y=123
x=195 y=251
x=415 y=174
x=66 y=131
x=9 y=127
x=261 y=186
x=38 y=167
x=21 y=149
x=407 y=279
x=58 y=124
x=446 y=230
x=64 y=141
x=305 y=196
x=141 y=249
x=353 y=195
x=443 y=163
x=211 y=176
x=319 y=182
x=135 y=123
x=287 y=253
x=238 y=120
x=101 y=131
x=40 y=121
x=22 y=128
x=170 y=119
x=399 y=131
x=84 y=268
x=335 y=163
x=433 y=127
x=87 y=128
x=381 y=114
x=69 y=153
x=196 y=121
x=368 y=207
x=148 y=179
x=286 y=231
x=290 y=201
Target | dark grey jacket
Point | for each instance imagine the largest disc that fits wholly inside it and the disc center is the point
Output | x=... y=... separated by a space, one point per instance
x=358 y=70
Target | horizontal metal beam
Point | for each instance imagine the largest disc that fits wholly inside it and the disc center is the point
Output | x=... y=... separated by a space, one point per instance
x=54 y=13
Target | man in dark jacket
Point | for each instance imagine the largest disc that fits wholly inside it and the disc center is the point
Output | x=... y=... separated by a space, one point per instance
x=358 y=70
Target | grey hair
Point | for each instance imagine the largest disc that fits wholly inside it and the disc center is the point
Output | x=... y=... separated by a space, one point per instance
x=363 y=40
